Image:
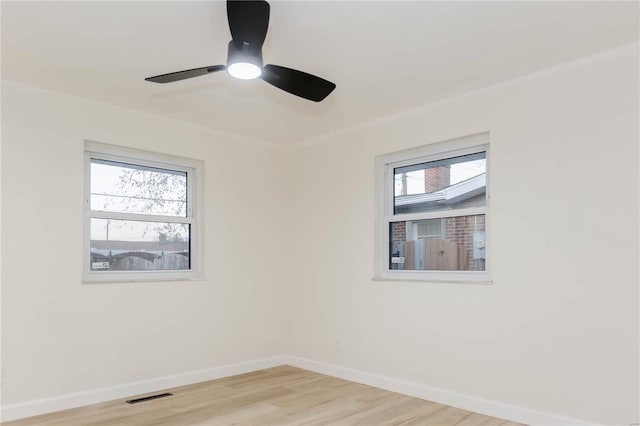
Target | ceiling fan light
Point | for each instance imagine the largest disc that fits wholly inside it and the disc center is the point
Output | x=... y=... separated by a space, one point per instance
x=244 y=63
x=244 y=70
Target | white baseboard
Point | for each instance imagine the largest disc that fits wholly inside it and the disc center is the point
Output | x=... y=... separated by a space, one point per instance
x=78 y=399
x=454 y=399
x=466 y=402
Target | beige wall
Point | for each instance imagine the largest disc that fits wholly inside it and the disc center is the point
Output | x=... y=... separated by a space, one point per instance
x=558 y=330
x=60 y=336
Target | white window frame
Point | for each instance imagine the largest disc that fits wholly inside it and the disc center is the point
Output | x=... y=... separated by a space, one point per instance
x=384 y=212
x=194 y=170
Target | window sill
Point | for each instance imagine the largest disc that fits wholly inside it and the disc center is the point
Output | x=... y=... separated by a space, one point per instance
x=123 y=280
x=439 y=280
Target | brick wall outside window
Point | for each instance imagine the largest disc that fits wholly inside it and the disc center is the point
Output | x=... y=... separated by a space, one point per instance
x=460 y=231
x=437 y=178
x=398 y=232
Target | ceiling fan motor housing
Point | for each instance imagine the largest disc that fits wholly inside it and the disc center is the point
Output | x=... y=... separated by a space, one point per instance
x=248 y=54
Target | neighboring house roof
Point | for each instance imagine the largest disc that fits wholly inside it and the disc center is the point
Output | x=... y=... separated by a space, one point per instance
x=453 y=194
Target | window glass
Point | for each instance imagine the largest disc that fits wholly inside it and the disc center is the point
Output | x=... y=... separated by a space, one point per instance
x=128 y=245
x=129 y=188
x=460 y=248
x=447 y=184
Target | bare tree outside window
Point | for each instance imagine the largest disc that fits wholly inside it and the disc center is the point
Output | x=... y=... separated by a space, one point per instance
x=143 y=241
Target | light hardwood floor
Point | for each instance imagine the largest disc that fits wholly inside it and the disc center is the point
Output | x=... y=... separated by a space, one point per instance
x=276 y=396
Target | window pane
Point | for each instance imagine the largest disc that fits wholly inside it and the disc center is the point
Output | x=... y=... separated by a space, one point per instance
x=431 y=228
x=127 y=245
x=460 y=248
x=128 y=188
x=447 y=184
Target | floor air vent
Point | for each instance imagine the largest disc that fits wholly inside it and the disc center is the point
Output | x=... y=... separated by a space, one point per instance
x=149 y=398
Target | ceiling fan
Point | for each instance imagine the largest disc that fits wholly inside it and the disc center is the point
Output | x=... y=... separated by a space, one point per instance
x=248 y=22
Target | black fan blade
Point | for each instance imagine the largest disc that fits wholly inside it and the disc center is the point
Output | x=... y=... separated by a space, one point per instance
x=297 y=82
x=248 y=22
x=182 y=75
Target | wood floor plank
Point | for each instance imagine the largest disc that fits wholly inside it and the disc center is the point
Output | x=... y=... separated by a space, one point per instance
x=280 y=396
x=476 y=419
x=445 y=416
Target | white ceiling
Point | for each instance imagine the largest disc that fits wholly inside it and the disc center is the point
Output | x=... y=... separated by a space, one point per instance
x=385 y=57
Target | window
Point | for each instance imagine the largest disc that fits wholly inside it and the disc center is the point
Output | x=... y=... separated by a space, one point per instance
x=141 y=215
x=431 y=228
x=432 y=212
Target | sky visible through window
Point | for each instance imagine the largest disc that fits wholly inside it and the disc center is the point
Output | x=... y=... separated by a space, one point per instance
x=136 y=190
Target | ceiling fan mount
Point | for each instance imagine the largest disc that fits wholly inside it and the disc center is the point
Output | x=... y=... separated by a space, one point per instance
x=249 y=22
